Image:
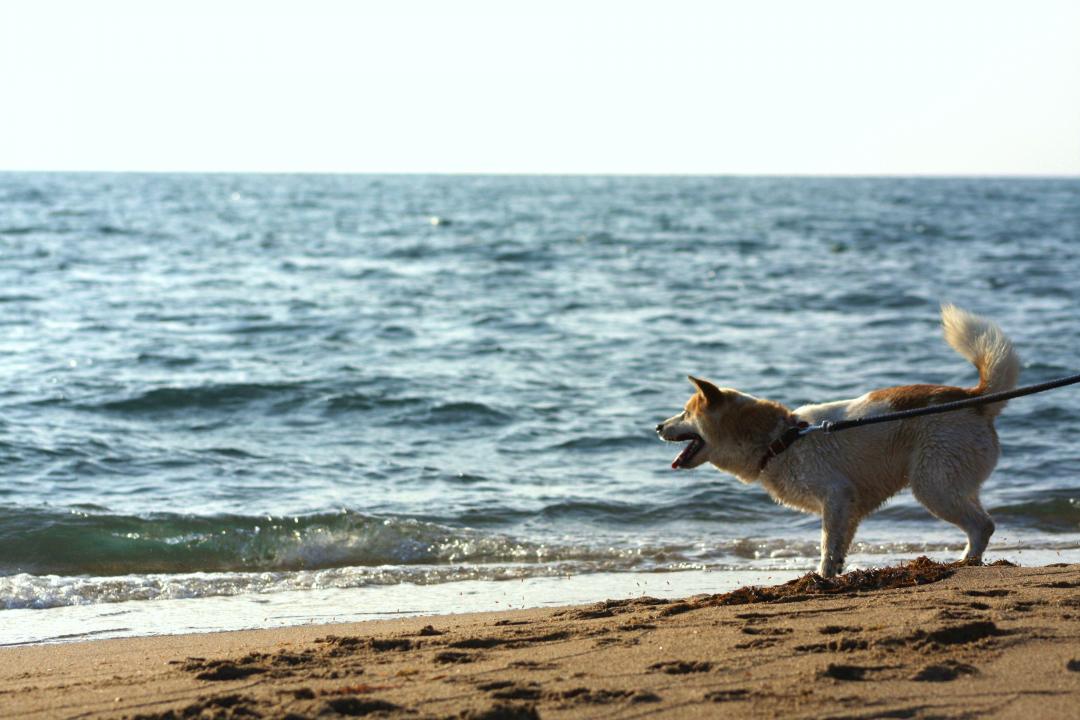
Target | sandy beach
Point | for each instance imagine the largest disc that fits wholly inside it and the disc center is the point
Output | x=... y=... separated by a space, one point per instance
x=922 y=641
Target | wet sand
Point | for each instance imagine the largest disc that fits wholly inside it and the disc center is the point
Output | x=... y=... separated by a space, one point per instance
x=921 y=641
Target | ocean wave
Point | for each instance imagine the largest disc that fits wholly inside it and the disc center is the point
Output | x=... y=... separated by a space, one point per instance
x=228 y=396
x=23 y=229
x=82 y=541
x=170 y=399
x=1057 y=513
x=108 y=229
x=590 y=443
x=88 y=540
x=359 y=402
x=473 y=413
x=42 y=591
x=26 y=591
x=47 y=541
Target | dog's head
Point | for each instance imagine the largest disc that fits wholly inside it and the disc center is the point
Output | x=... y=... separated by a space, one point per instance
x=725 y=427
x=698 y=424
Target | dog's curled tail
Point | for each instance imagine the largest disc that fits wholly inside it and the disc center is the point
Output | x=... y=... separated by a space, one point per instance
x=984 y=344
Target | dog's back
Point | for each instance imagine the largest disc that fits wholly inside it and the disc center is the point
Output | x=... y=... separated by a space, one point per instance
x=977 y=339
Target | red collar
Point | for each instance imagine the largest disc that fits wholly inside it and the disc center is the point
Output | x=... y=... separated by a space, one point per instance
x=786 y=440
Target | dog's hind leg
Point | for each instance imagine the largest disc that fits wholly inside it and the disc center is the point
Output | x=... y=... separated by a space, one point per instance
x=951 y=494
x=965 y=512
x=838 y=523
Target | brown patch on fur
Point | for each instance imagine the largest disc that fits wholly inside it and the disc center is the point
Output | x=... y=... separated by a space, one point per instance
x=696 y=404
x=911 y=397
x=755 y=421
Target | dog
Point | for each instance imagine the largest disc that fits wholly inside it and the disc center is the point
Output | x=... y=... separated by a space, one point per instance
x=846 y=476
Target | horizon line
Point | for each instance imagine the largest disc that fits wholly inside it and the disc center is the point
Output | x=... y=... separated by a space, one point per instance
x=496 y=173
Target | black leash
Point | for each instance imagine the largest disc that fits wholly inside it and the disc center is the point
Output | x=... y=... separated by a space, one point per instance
x=831 y=427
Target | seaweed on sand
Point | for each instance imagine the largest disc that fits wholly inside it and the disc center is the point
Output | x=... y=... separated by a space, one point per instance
x=920 y=571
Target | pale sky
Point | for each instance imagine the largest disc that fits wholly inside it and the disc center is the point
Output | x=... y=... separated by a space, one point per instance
x=808 y=87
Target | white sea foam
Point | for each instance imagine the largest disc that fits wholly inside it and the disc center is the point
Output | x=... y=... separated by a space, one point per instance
x=28 y=591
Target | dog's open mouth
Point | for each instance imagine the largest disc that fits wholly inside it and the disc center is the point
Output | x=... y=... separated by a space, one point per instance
x=688 y=452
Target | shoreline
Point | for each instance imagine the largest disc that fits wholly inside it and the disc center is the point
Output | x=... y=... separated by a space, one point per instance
x=992 y=640
x=186 y=616
x=81 y=621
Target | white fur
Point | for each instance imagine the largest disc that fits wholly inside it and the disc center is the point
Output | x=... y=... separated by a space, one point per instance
x=983 y=344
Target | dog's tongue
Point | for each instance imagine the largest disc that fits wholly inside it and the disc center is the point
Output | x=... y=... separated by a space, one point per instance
x=683 y=456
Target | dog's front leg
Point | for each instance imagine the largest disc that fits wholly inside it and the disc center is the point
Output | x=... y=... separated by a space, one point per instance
x=838 y=523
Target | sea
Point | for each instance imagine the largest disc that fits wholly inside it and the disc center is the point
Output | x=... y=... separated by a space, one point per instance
x=233 y=401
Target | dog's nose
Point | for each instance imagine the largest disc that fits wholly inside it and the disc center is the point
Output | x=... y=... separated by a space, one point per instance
x=659 y=427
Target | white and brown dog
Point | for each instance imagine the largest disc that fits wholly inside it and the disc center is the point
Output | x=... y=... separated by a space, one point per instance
x=845 y=476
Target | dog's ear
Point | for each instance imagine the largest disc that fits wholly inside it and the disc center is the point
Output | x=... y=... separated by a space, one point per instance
x=711 y=393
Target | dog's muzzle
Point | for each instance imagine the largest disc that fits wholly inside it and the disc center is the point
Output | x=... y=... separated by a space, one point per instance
x=694 y=444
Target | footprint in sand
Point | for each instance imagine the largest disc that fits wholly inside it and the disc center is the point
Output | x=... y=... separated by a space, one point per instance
x=454 y=657
x=838 y=645
x=837 y=671
x=220 y=706
x=533 y=665
x=766 y=631
x=837 y=629
x=682 y=667
x=589 y=696
x=355 y=706
x=944 y=672
x=219 y=670
x=727 y=695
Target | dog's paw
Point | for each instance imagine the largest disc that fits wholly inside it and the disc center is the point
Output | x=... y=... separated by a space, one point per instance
x=969 y=562
x=830 y=568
